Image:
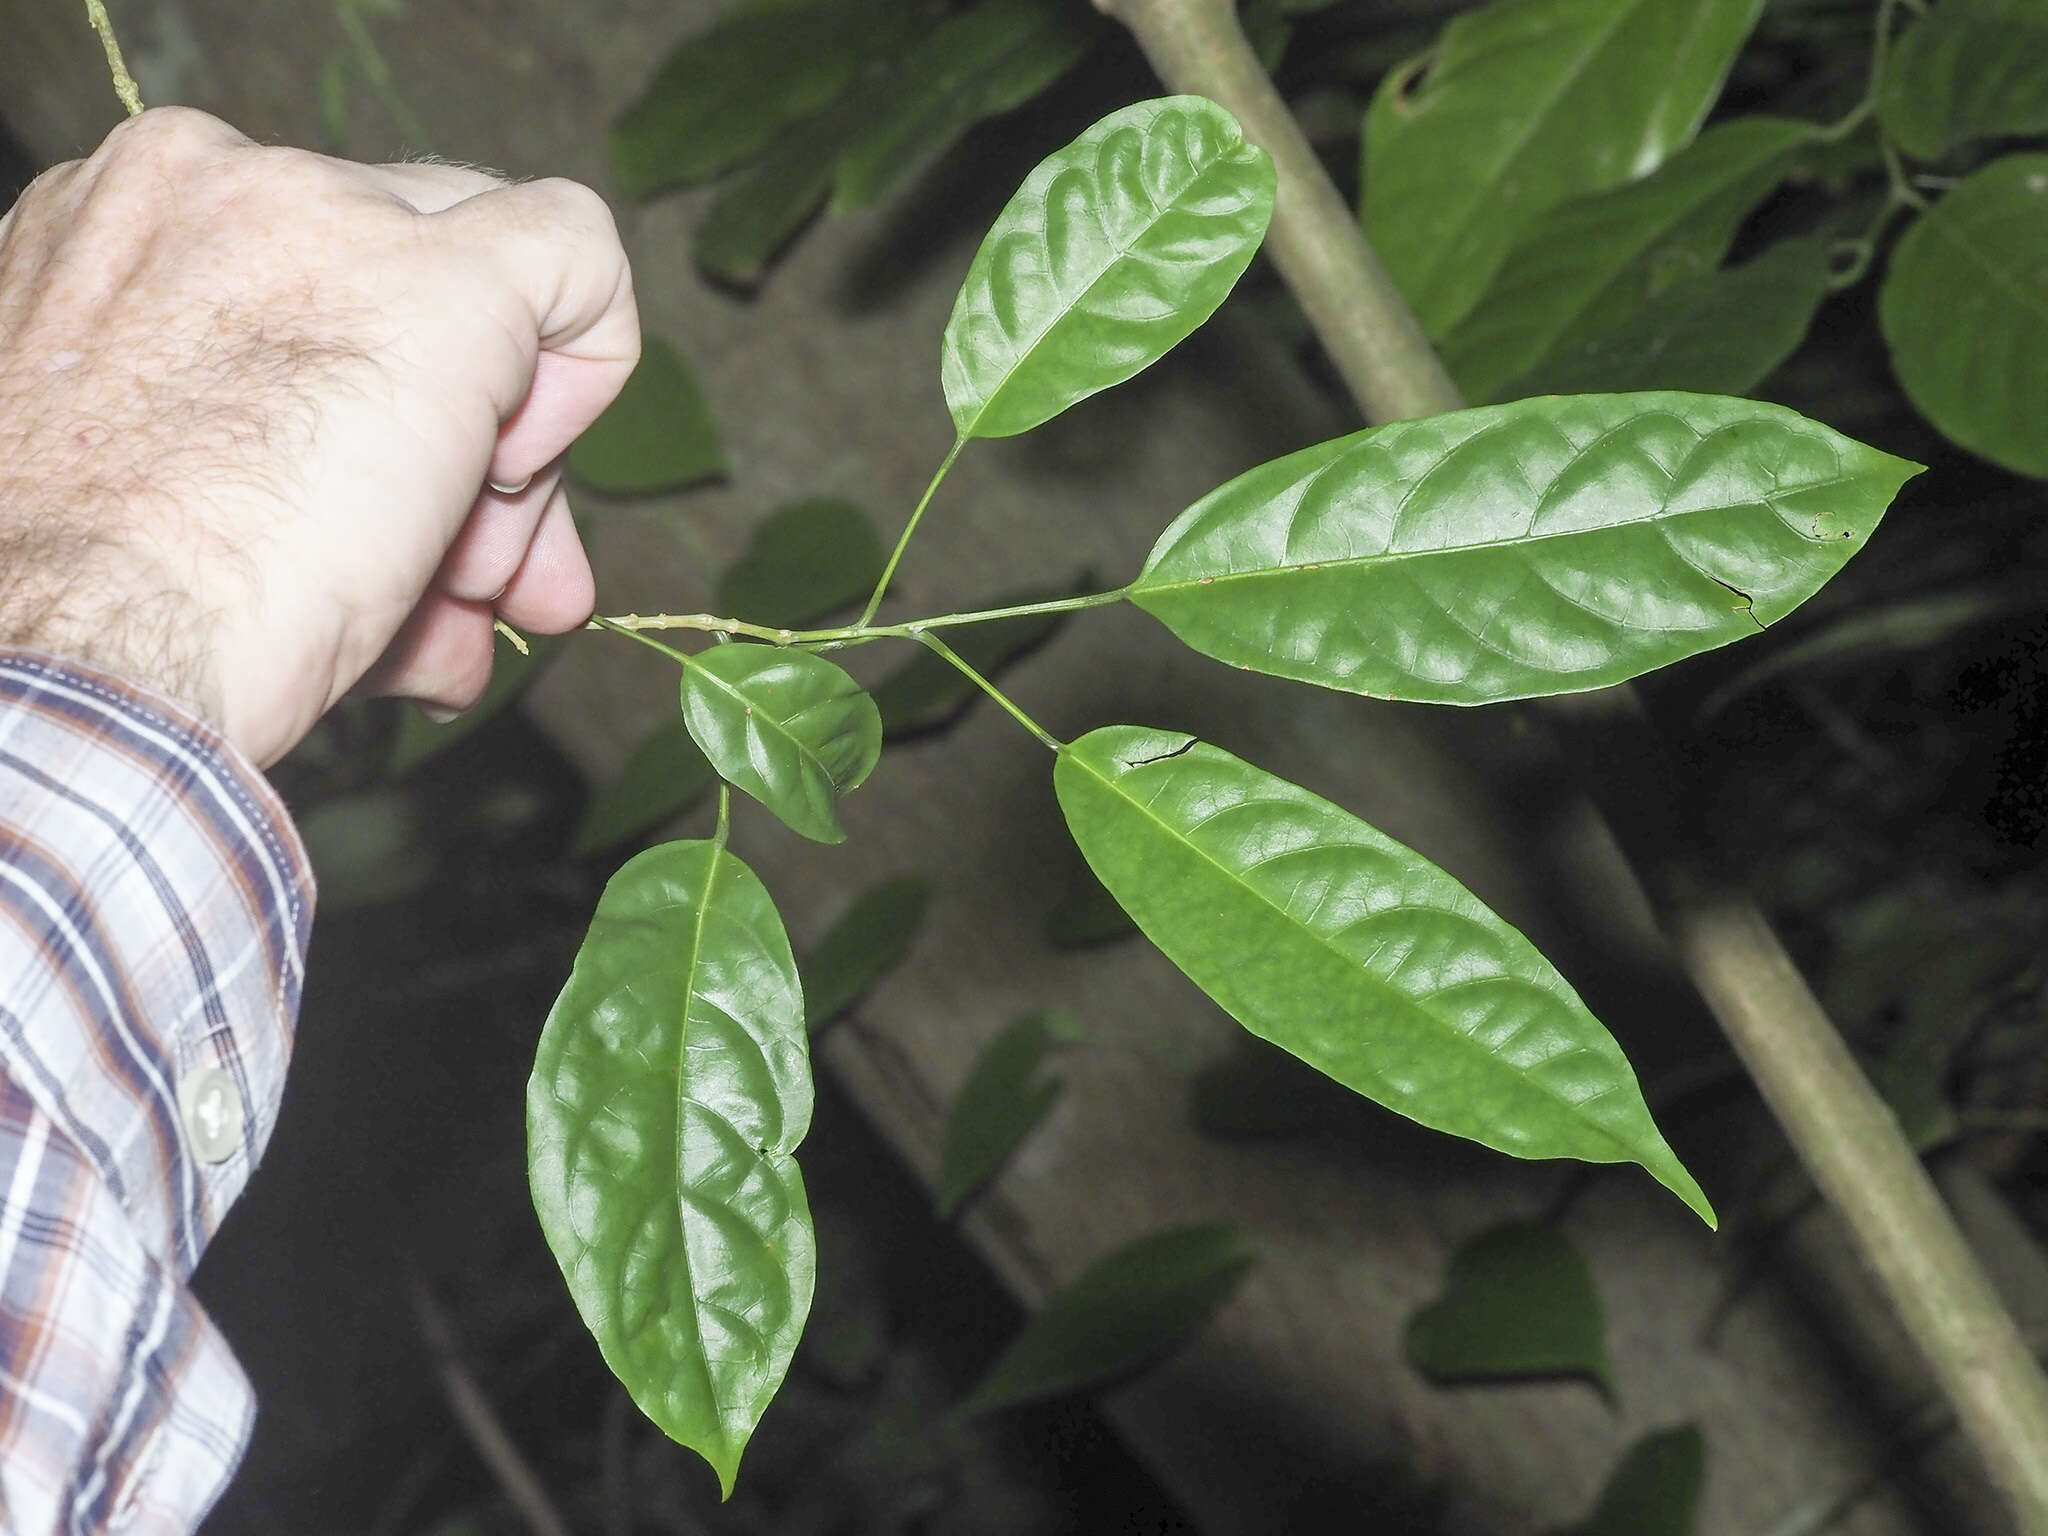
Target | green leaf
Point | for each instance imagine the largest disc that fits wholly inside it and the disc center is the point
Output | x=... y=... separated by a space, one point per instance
x=980 y=62
x=657 y=436
x=1112 y=251
x=1086 y=915
x=804 y=560
x=1006 y=1094
x=1592 y=263
x=419 y=738
x=1722 y=334
x=1655 y=1491
x=1522 y=105
x=787 y=727
x=757 y=212
x=1964 y=309
x=664 y=777
x=1547 y=546
x=868 y=942
x=928 y=693
x=1125 y=1312
x=1974 y=69
x=1519 y=1301
x=1358 y=955
x=670 y=1089
x=723 y=95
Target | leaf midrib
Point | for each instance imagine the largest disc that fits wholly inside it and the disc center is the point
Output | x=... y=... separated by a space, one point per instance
x=1141 y=587
x=1122 y=254
x=1115 y=788
x=756 y=711
x=1951 y=229
x=676 y=1152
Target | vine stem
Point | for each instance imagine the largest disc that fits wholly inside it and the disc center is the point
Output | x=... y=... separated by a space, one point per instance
x=1841 y=1129
x=124 y=83
x=851 y=634
x=903 y=543
x=1003 y=699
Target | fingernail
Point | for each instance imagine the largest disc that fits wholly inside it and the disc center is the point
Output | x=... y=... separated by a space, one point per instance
x=439 y=714
x=509 y=490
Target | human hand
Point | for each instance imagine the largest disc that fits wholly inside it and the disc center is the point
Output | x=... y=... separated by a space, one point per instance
x=250 y=398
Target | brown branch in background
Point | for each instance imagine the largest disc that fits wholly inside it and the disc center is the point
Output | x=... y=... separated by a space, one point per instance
x=479 y=1420
x=1843 y=1131
x=124 y=83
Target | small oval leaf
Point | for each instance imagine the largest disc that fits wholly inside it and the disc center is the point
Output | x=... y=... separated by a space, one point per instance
x=1125 y=1312
x=1519 y=1302
x=1548 y=546
x=1964 y=309
x=787 y=727
x=1655 y=1491
x=804 y=561
x=1006 y=1094
x=1358 y=955
x=1112 y=251
x=664 y=777
x=868 y=941
x=1973 y=69
x=1521 y=105
x=656 y=436
x=670 y=1088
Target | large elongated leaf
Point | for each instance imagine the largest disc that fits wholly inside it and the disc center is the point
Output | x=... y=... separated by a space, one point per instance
x=1125 y=1312
x=789 y=728
x=1519 y=1301
x=986 y=60
x=1522 y=105
x=724 y=94
x=1974 y=69
x=1589 y=265
x=1112 y=251
x=804 y=560
x=1964 y=309
x=657 y=436
x=670 y=1088
x=1542 y=547
x=665 y=776
x=1006 y=1094
x=1358 y=955
x=1721 y=334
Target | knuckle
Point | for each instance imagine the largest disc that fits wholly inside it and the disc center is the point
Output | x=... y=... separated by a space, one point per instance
x=168 y=133
x=580 y=208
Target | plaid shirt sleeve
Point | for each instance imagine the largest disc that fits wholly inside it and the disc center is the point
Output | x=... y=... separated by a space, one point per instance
x=154 y=911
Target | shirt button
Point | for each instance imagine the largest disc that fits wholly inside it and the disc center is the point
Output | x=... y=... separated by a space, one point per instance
x=213 y=1113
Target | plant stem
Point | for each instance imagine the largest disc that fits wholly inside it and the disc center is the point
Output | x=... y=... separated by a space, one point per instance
x=917 y=515
x=852 y=634
x=1842 y=1130
x=989 y=688
x=632 y=633
x=124 y=83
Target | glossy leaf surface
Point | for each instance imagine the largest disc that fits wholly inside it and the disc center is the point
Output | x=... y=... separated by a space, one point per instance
x=1522 y=105
x=1519 y=1301
x=1964 y=309
x=1112 y=251
x=868 y=941
x=724 y=94
x=928 y=693
x=804 y=561
x=1973 y=69
x=419 y=738
x=1591 y=264
x=1125 y=1312
x=665 y=776
x=1006 y=1093
x=974 y=64
x=657 y=436
x=1358 y=955
x=1546 y=546
x=1655 y=1491
x=1723 y=333
x=787 y=727
x=670 y=1088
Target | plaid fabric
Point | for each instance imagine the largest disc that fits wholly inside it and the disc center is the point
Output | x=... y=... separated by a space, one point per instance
x=154 y=910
